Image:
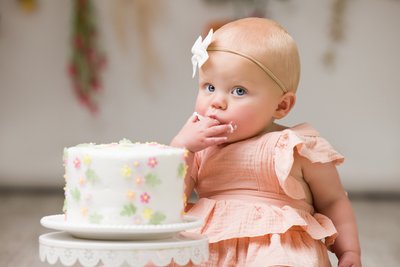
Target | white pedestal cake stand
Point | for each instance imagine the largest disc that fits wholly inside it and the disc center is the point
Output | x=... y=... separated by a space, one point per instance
x=68 y=247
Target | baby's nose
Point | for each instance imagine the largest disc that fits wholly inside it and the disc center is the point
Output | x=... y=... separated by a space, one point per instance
x=219 y=102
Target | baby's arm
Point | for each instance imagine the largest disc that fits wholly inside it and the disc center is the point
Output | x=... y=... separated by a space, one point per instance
x=197 y=134
x=331 y=200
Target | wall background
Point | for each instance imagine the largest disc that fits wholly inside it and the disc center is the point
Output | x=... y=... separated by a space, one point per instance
x=353 y=104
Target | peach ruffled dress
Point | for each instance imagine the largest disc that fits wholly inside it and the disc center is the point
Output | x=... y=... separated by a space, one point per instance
x=255 y=213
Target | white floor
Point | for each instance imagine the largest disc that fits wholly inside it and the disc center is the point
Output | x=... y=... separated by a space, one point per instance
x=378 y=219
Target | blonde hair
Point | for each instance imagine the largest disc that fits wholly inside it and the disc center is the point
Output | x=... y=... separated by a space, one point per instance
x=267 y=42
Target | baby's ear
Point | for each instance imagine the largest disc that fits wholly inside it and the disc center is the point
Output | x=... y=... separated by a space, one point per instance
x=285 y=105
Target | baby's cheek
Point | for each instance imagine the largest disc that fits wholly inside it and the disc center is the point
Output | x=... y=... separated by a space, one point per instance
x=200 y=109
x=202 y=104
x=245 y=123
x=238 y=119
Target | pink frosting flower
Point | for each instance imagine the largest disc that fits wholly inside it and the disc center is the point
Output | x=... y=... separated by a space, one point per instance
x=145 y=198
x=152 y=162
x=77 y=163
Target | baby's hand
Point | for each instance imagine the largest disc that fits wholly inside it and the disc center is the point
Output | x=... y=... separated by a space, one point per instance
x=350 y=259
x=201 y=132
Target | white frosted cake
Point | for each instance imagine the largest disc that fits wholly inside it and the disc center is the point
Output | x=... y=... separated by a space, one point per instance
x=124 y=183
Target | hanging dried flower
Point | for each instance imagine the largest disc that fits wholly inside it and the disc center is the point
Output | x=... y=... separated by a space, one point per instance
x=28 y=5
x=86 y=61
x=336 y=32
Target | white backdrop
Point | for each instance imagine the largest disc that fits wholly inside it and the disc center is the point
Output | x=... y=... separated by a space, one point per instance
x=354 y=104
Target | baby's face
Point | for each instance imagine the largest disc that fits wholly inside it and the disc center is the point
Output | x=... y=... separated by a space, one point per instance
x=234 y=90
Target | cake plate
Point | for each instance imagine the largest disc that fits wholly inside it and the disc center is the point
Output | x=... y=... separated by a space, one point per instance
x=120 y=232
x=181 y=248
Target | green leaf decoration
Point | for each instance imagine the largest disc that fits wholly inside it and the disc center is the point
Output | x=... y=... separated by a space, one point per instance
x=76 y=194
x=64 y=209
x=128 y=210
x=65 y=154
x=92 y=177
x=182 y=170
x=157 y=218
x=95 y=218
x=152 y=180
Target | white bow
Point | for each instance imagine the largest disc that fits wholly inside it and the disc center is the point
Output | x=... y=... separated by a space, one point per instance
x=199 y=50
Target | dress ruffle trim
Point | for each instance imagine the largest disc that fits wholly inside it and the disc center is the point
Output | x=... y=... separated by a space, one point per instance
x=226 y=219
x=308 y=144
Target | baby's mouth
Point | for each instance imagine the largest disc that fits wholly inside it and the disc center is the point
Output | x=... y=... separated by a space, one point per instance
x=232 y=125
x=214 y=117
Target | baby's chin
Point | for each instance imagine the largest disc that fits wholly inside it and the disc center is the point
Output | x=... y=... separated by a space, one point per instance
x=238 y=135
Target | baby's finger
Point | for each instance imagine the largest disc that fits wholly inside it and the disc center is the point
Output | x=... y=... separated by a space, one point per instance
x=218 y=130
x=195 y=117
x=209 y=122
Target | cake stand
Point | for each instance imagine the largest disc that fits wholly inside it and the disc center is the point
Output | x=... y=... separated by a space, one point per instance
x=69 y=247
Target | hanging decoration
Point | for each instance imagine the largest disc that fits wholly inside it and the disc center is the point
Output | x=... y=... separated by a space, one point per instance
x=241 y=9
x=86 y=60
x=138 y=17
x=336 y=32
x=28 y=5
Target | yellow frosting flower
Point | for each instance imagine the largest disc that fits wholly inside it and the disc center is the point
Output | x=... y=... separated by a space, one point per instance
x=87 y=159
x=186 y=153
x=147 y=213
x=126 y=171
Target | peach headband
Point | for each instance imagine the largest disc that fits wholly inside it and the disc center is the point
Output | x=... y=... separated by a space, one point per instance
x=255 y=61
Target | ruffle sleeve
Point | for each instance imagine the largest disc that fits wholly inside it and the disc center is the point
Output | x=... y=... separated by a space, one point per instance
x=308 y=144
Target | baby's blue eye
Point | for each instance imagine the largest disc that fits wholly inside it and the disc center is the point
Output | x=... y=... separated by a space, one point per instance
x=210 y=88
x=239 y=91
